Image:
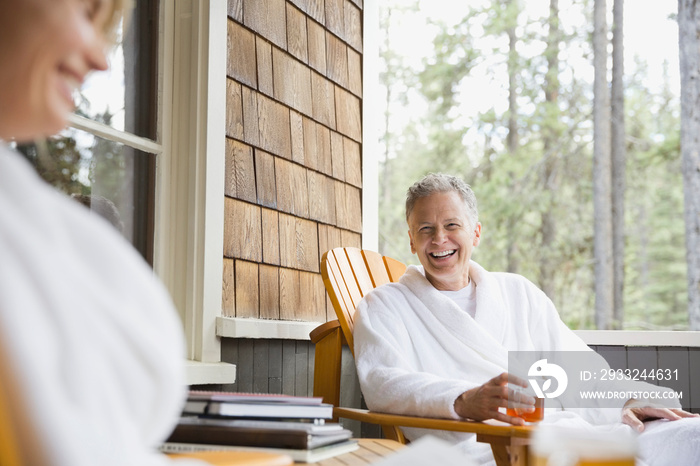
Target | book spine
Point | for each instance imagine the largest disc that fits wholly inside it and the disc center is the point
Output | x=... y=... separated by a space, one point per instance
x=239 y=436
x=287 y=411
x=296 y=455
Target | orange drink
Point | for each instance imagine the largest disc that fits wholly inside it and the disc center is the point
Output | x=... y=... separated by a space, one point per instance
x=534 y=416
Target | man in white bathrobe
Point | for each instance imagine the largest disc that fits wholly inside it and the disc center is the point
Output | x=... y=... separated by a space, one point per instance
x=436 y=344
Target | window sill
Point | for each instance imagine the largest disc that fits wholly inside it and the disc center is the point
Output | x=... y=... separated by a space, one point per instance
x=236 y=327
x=200 y=373
x=639 y=338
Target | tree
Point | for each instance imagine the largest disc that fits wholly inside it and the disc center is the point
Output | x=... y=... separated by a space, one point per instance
x=689 y=40
x=511 y=21
x=58 y=161
x=618 y=160
x=511 y=12
x=551 y=135
x=601 y=171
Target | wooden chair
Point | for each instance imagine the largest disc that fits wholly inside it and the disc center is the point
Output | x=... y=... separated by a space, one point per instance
x=17 y=444
x=348 y=274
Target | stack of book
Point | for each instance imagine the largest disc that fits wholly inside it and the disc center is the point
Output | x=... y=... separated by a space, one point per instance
x=292 y=425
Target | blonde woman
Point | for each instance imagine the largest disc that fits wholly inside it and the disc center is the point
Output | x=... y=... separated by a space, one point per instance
x=93 y=341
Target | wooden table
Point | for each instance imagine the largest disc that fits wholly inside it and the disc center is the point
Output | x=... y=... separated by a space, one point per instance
x=371 y=450
x=510 y=444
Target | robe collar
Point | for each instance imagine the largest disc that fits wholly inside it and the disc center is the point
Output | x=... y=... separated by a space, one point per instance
x=486 y=333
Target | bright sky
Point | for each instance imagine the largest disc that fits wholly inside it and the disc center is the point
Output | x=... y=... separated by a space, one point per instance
x=105 y=89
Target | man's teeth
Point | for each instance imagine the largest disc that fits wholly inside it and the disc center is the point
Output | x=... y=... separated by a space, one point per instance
x=442 y=253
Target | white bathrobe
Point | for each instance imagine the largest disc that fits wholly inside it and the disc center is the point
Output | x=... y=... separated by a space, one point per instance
x=94 y=341
x=416 y=351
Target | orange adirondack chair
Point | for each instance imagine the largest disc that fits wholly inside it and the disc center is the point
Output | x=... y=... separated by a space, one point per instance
x=348 y=274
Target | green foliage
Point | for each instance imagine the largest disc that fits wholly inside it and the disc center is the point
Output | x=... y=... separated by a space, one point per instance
x=58 y=162
x=655 y=282
x=75 y=162
x=547 y=181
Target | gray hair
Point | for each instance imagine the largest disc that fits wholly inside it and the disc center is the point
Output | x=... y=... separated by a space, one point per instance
x=434 y=183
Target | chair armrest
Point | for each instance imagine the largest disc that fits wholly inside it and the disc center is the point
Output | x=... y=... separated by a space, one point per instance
x=475 y=427
x=509 y=443
x=322 y=330
x=328 y=341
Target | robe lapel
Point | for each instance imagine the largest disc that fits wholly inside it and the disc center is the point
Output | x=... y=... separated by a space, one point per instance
x=483 y=335
x=491 y=312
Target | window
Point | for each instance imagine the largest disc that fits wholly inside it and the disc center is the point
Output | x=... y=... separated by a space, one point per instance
x=106 y=159
x=149 y=136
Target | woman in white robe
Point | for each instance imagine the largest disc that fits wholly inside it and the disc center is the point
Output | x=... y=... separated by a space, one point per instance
x=436 y=344
x=90 y=337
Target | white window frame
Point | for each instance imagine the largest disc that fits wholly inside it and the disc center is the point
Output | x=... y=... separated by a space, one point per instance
x=189 y=212
x=190 y=164
x=370 y=126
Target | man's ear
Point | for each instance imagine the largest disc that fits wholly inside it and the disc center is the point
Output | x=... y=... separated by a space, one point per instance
x=477 y=234
x=413 y=249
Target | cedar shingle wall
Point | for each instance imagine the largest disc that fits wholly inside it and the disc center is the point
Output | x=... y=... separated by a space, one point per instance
x=293 y=165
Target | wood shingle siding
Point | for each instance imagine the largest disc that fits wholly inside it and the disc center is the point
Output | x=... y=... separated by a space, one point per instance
x=247 y=289
x=293 y=176
x=271 y=236
x=317 y=46
x=240 y=171
x=265 y=179
x=269 y=292
x=268 y=19
x=348 y=111
x=241 y=55
x=297 y=36
x=242 y=231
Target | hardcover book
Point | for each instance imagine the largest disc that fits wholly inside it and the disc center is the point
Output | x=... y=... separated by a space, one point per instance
x=251 y=405
x=257 y=433
x=301 y=456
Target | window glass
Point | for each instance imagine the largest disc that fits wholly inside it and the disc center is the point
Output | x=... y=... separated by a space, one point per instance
x=109 y=175
x=113 y=179
x=124 y=96
x=102 y=96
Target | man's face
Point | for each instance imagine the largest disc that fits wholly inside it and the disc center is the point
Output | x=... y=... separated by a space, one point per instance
x=443 y=239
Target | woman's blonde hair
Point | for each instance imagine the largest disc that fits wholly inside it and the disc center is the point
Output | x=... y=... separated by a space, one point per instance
x=121 y=10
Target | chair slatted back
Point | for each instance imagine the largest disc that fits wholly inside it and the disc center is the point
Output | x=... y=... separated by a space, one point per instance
x=351 y=273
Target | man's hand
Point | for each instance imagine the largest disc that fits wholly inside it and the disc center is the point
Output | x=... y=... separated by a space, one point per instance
x=482 y=402
x=634 y=413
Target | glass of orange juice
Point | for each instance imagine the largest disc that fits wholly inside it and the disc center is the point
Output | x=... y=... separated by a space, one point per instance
x=516 y=410
x=533 y=416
